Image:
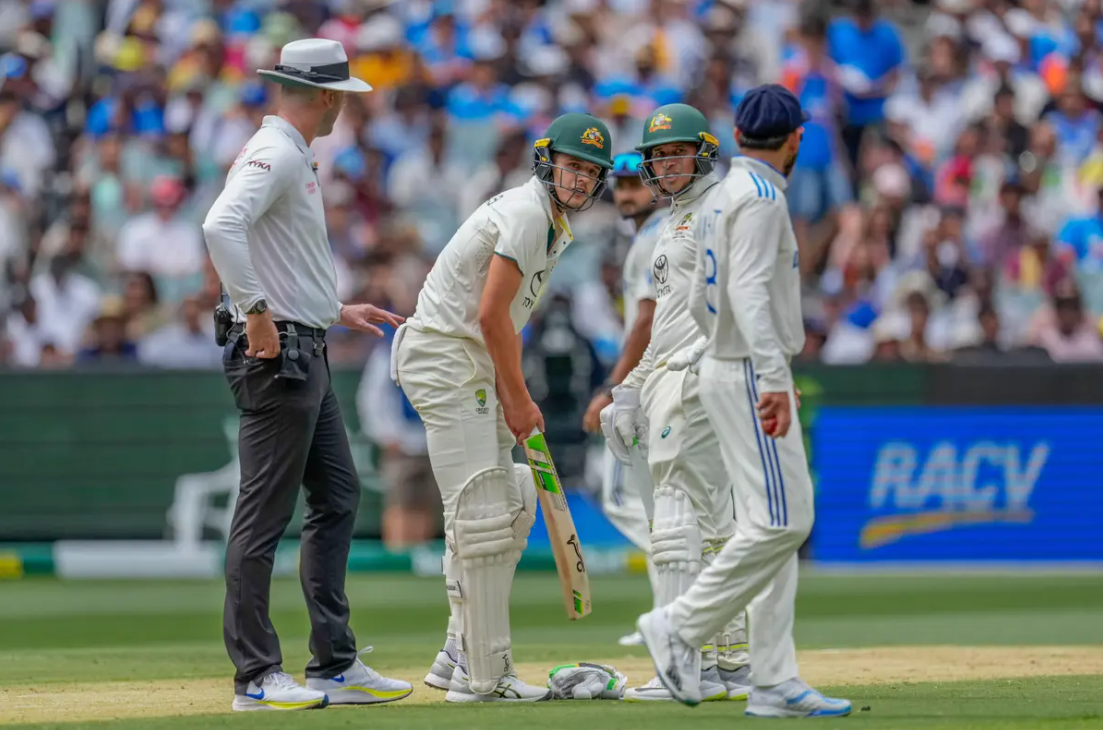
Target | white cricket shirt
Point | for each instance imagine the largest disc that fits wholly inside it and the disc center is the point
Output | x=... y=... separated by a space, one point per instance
x=672 y=265
x=519 y=224
x=746 y=287
x=637 y=280
x=267 y=231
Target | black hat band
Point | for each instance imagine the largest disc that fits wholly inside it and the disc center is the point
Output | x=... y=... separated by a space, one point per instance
x=318 y=74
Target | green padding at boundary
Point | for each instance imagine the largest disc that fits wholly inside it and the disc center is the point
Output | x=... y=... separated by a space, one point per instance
x=18 y=560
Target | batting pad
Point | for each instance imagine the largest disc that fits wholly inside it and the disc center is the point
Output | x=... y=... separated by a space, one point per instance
x=485 y=541
x=676 y=544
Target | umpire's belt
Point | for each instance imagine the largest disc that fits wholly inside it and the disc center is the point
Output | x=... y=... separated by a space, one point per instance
x=281 y=326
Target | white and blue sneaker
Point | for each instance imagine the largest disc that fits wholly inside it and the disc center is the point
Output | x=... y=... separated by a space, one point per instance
x=677 y=663
x=794 y=699
x=278 y=691
x=712 y=690
x=361 y=685
x=440 y=674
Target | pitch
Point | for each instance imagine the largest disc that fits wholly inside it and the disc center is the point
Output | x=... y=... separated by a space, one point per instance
x=951 y=651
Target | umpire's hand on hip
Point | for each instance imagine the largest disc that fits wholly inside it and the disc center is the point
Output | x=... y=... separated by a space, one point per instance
x=364 y=317
x=264 y=340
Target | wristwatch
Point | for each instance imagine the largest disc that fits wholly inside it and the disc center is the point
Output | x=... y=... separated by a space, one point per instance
x=259 y=308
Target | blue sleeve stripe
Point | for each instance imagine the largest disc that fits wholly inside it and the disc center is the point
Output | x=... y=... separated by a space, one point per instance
x=756 y=183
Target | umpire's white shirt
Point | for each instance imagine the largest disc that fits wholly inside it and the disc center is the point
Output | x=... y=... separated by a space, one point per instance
x=746 y=290
x=267 y=231
x=519 y=224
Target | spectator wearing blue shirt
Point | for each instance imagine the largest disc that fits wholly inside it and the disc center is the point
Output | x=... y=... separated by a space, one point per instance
x=819 y=184
x=1080 y=240
x=443 y=46
x=1075 y=123
x=869 y=54
x=110 y=343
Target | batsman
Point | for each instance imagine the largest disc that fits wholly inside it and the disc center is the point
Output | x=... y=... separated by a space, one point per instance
x=659 y=406
x=458 y=359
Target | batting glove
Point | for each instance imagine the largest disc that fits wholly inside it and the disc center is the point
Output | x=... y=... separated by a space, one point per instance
x=585 y=681
x=623 y=423
x=688 y=358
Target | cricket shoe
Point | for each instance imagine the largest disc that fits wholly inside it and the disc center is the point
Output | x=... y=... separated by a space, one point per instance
x=440 y=674
x=677 y=663
x=278 y=691
x=360 y=685
x=632 y=639
x=510 y=689
x=794 y=699
x=711 y=690
x=738 y=682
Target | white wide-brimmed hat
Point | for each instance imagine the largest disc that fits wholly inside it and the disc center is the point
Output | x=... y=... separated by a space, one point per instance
x=315 y=62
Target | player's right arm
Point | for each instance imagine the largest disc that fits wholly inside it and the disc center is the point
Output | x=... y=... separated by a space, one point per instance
x=754 y=236
x=504 y=345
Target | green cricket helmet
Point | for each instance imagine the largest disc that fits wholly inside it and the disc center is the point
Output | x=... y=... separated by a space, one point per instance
x=581 y=136
x=676 y=123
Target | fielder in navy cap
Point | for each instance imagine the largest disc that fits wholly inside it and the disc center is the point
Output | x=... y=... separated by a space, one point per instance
x=770 y=119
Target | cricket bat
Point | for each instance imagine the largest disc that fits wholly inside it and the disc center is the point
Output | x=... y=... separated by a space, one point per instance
x=573 y=577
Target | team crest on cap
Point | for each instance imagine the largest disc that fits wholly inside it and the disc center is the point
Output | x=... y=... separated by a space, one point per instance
x=659 y=121
x=593 y=136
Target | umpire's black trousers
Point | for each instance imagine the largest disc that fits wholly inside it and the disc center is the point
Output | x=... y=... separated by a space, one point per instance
x=291 y=434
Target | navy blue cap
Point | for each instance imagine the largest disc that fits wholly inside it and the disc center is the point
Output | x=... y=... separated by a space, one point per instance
x=769 y=111
x=627 y=164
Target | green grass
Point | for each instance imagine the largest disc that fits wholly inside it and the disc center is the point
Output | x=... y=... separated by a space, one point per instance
x=54 y=633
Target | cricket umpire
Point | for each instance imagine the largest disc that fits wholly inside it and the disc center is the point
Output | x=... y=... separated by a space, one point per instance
x=267 y=238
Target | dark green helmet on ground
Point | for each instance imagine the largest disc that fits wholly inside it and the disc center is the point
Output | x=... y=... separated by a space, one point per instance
x=676 y=123
x=581 y=136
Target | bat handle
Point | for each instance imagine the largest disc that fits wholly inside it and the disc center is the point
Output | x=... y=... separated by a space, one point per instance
x=535 y=432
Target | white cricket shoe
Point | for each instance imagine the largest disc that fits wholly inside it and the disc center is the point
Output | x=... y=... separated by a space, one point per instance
x=633 y=639
x=794 y=699
x=361 y=685
x=677 y=663
x=737 y=681
x=440 y=674
x=711 y=691
x=510 y=689
x=278 y=691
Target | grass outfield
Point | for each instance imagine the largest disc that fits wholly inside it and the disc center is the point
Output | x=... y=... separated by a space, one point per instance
x=955 y=651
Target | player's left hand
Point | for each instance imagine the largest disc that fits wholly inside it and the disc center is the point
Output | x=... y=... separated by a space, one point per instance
x=591 y=422
x=773 y=411
x=364 y=317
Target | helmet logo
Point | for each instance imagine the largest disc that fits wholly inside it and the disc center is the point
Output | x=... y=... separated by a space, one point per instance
x=593 y=136
x=659 y=121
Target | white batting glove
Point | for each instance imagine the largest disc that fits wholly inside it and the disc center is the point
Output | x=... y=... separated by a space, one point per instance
x=688 y=357
x=623 y=423
x=585 y=681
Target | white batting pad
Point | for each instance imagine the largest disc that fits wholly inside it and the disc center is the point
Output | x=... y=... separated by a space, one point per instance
x=453 y=586
x=522 y=525
x=486 y=544
x=675 y=544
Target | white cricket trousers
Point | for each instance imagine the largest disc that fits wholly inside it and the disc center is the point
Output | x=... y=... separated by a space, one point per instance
x=626 y=498
x=757 y=569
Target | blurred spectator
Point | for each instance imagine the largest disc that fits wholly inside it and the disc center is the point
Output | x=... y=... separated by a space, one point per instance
x=185 y=344
x=916 y=346
x=26 y=145
x=425 y=184
x=1080 y=239
x=412 y=514
x=108 y=343
x=67 y=298
x=23 y=332
x=511 y=167
x=14 y=211
x=164 y=243
x=1076 y=124
x=869 y=53
x=819 y=185
x=144 y=312
x=1066 y=333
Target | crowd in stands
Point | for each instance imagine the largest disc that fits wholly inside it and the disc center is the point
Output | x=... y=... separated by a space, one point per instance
x=947 y=199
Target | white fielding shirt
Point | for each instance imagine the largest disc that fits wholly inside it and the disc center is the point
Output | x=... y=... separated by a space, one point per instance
x=518 y=224
x=638 y=283
x=267 y=235
x=746 y=287
x=673 y=262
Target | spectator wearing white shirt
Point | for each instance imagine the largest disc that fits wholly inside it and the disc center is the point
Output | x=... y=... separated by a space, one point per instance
x=186 y=344
x=23 y=332
x=425 y=184
x=26 y=145
x=67 y=299
x=163 y=243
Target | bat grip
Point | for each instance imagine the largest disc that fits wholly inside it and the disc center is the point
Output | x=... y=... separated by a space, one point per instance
x=535 y=432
